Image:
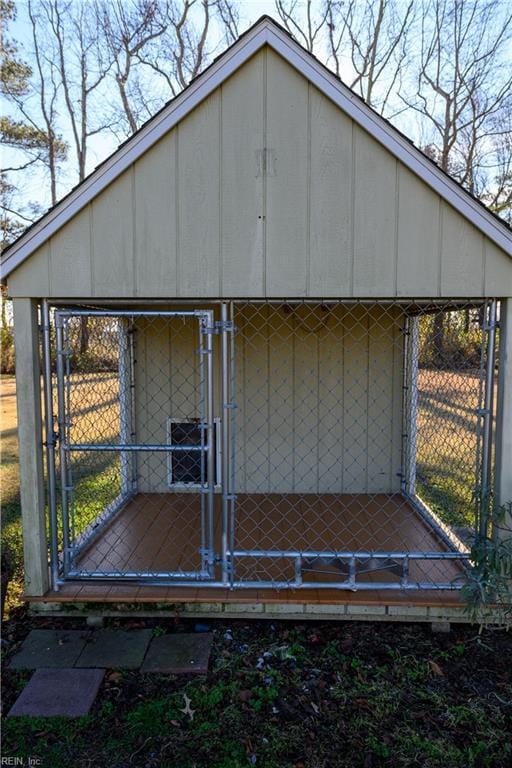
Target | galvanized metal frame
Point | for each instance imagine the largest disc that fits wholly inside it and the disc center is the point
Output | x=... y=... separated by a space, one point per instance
x=228 y=552
x=126 y=449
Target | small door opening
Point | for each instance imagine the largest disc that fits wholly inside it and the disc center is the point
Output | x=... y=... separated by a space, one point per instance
x=184 y=467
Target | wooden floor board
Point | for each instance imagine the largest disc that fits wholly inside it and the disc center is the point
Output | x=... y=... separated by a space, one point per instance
x=155 y=533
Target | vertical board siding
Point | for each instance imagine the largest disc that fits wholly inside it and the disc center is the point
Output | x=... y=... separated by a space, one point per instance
x=252 y=397
x=319 y=401
x=383 y=405
x=397 y=415
x=309 y=333
x=287 y=184
x=355 y=396
x=281 y=438
x=374 y=218
x=70 y=257
x=241 y=189
x=418 y=237
x=112 y=239
x=464 y=269
x=32 y=278
x=330 y=206
x=155 y=219
x=166 y=386
x=498 y=271
x=199 y=205
x=318 y=394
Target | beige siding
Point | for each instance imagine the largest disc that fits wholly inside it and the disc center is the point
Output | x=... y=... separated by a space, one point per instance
x=112 y=246
x=319 y=404
x=70 y=265
x=166 y=386
x=32 y=277
x=155 y=219
x=375 y=210
x=498 y=271
x=330 y=195
x=287 y=183
x=318 y=399
x=335 y=214
x=199 y=204
x=465 y=244
x=242 y=188
x=419 y=228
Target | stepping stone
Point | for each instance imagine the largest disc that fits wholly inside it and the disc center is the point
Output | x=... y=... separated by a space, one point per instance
x=58 y=692
x=50 y=648
x=109 y=648
x=179 y=654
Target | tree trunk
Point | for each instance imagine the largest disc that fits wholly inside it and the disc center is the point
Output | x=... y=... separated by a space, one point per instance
x=84 y=335
x=438 y=338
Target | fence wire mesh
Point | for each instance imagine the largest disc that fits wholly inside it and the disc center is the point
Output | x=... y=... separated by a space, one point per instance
x=134 y=444
x=302 y=443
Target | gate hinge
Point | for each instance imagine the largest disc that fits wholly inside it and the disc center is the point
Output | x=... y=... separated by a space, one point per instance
x=219 y=326
x=486 y=326
x=54 y=438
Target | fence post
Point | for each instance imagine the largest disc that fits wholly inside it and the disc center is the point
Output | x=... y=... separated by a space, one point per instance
x=28 y=397
x=503 y=488
x=50 y=444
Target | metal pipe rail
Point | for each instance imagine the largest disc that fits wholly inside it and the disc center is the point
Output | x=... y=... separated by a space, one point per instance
x=131 y=447
x=360 y=555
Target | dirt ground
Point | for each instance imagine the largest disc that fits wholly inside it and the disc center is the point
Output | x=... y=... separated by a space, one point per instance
x=287 y=695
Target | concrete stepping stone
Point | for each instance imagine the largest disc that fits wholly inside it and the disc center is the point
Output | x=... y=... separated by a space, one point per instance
x=50 y=648
x=178 y=654
x=115 y=648
x=58 y=692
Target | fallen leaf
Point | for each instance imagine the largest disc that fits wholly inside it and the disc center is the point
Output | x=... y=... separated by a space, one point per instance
x=347 y=643
x=315 y=708
x=436 y=669
x=245 y=695
x=186 y=709
x=114 y=677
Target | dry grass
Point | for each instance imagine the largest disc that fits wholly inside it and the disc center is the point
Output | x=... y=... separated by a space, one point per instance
x=447 y=443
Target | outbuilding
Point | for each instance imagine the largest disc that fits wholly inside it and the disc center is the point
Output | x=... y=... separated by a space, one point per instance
x=276 y=342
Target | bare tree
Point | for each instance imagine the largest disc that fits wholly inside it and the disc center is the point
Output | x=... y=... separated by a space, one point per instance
x=169 y=43
x=306 y=22
x=496 y=167
x=363 y=41
x=127 y=28
x=464 y=80
x=81 y=67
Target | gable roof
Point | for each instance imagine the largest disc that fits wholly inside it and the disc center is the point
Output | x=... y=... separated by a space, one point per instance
x=264 y=32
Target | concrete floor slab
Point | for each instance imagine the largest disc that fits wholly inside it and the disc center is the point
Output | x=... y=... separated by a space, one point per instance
x=180 y=653
x=50 y=648
x=58 y=692
x=110 y=648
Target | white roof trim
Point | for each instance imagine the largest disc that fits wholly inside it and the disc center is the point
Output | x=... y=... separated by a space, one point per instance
x=263 y=33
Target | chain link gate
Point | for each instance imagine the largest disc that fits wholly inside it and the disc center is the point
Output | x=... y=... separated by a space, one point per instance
x=138 y=450
x=270 y=444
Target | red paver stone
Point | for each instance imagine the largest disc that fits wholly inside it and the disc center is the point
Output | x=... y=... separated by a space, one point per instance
x=59 y=692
